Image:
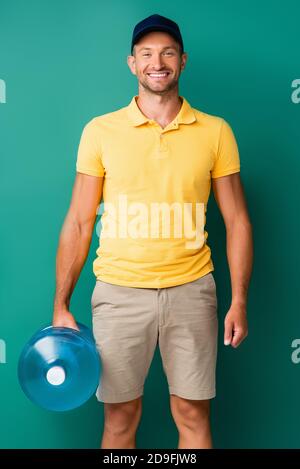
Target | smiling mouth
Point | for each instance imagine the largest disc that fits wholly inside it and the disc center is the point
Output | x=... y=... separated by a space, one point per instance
x=158 y=76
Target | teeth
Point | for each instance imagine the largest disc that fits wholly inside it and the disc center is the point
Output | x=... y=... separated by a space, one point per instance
x=158 y=74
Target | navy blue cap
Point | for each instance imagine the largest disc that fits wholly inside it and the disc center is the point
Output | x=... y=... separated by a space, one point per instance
x=156 y=23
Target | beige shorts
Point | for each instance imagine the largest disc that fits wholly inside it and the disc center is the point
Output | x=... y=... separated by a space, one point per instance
x=129 y=322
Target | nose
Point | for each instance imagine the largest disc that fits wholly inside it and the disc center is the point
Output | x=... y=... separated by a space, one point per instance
x=157 y=62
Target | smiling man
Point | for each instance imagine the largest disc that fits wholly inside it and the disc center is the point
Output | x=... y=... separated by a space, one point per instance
x=152 y=287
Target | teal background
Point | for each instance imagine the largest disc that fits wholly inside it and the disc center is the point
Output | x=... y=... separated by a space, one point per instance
x=64 y=62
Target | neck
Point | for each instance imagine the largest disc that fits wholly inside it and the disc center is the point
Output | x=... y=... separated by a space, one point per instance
x=161 y=108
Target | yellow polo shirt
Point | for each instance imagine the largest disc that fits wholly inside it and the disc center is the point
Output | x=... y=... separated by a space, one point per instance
x=155 y=191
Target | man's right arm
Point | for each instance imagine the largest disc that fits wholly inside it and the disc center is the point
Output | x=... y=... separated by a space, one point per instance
x=74 y=243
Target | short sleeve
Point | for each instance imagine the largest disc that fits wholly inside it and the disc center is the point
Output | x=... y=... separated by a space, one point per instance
x=89 y=153
x=227 y=160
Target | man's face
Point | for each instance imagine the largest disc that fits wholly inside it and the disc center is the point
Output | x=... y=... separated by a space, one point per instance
x=157 y=62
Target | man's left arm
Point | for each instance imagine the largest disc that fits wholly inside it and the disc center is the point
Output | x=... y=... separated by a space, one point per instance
x=229 y=196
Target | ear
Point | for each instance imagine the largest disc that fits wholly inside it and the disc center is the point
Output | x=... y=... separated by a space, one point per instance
x=131 y=63
x=183 y=61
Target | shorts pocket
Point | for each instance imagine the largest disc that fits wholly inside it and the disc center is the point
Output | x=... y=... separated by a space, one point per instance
x=207 y=279
x=212 y=280
x=93 y=296
x=208 y=289
x=213 y=288
x=97 y=294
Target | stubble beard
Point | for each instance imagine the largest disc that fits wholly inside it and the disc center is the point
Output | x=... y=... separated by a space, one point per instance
x=169 y=87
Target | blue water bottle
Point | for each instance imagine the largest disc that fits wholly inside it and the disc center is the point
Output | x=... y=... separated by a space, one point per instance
x=59 y=368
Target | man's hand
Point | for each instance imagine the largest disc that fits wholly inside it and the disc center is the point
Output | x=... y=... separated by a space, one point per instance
x=63 y=318
x=236 y=325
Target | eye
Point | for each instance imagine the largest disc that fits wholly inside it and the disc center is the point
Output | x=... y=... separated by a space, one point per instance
x=145 y=55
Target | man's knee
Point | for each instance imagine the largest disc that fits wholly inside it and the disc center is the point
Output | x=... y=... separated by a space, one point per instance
x=189 y=413
x=123 y=416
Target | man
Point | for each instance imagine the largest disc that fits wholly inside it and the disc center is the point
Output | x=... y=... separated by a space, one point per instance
x=153 y=162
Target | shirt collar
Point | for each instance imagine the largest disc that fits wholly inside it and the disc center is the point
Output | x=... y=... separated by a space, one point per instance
x=186 y=114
